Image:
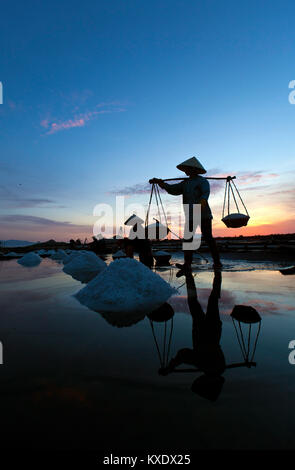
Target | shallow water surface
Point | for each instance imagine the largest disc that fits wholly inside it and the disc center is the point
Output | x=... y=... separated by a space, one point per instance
x=71 y=379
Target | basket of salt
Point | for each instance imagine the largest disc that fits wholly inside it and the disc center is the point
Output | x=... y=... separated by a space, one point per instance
x=236 y=219
x=161 y=257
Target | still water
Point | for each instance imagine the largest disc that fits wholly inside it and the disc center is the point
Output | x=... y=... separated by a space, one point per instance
x=71 y=379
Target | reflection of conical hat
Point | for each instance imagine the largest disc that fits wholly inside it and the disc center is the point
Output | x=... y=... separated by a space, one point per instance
x=207 y=386
x=134 y=219
x=192 y=163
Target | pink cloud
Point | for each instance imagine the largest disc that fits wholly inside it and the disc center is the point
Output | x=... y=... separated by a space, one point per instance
x=226 y=302
x=79 y=120
x=248 y=177
x=44 y=123
x=56 y=127
x=270 y=307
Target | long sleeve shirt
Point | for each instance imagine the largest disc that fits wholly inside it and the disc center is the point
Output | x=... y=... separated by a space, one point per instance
x=192 y=190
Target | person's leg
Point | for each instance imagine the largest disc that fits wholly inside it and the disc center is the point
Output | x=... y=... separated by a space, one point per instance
x=206 y=228
x=129 y=250
x=145 y=253
x=188 y=257
x=187 y=266
x=188 y=230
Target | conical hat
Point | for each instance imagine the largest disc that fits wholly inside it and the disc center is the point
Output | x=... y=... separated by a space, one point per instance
x=134 y=219
x=192 y=163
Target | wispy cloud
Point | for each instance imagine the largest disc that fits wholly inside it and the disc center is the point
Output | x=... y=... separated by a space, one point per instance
x=257 y=187
x=246 y=177
x=145 y=188
x=243 y=178
x=227 y=301
x=250 y=177
x=29 y=202
x=61 y=126
x=32 y=219
x=139 y=188
x=80 y=119
x=30 y=227
x=9 y=199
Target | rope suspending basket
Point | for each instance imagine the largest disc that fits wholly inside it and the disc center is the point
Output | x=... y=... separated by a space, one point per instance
x=157 y=230
x=163 y=316
x=233 y=219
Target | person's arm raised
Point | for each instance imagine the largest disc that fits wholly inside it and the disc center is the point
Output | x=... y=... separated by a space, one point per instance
x=157 y=181
x=174 y=189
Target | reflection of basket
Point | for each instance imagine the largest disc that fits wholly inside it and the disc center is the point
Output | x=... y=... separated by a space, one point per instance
x=237 y=219
x=245 y=314
x=163 y=316
x=163 y=313
x=249 y=316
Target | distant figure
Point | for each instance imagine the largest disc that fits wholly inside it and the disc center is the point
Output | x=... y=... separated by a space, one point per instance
x=194 y=190
x=98 y=246
x=206 y=355
x=137 y=241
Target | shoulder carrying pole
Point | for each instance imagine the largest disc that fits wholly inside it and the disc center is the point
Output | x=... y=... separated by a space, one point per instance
x=227 y=178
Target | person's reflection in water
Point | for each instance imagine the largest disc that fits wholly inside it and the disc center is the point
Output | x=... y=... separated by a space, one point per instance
x=206 y=355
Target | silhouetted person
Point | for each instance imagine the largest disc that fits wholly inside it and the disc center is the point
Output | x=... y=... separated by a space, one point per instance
x=195 y=190
x=137 y=241
x=206 y=355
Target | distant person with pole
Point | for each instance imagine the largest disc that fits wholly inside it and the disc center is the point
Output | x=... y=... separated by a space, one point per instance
x=195 y=190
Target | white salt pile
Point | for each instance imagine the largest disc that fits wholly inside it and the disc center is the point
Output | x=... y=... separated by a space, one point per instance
x=125 y=286
x=85 y=266
x=12 y=254
x=161 y=253
x=119 y=254
x=50 y=252
x=59 y=255
x=73 y=255
x=30 y=260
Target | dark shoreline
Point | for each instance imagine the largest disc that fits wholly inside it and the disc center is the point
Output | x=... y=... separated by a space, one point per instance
x=278 y=248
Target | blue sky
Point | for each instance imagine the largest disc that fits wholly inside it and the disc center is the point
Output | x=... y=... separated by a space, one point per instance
x=103 y=95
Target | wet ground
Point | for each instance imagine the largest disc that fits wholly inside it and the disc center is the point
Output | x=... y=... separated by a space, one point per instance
x=70 y=379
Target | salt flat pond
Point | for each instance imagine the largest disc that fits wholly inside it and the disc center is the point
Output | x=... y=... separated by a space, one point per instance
x=70 y=379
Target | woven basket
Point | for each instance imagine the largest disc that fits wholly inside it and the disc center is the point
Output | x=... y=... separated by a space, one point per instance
x=235 y=220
